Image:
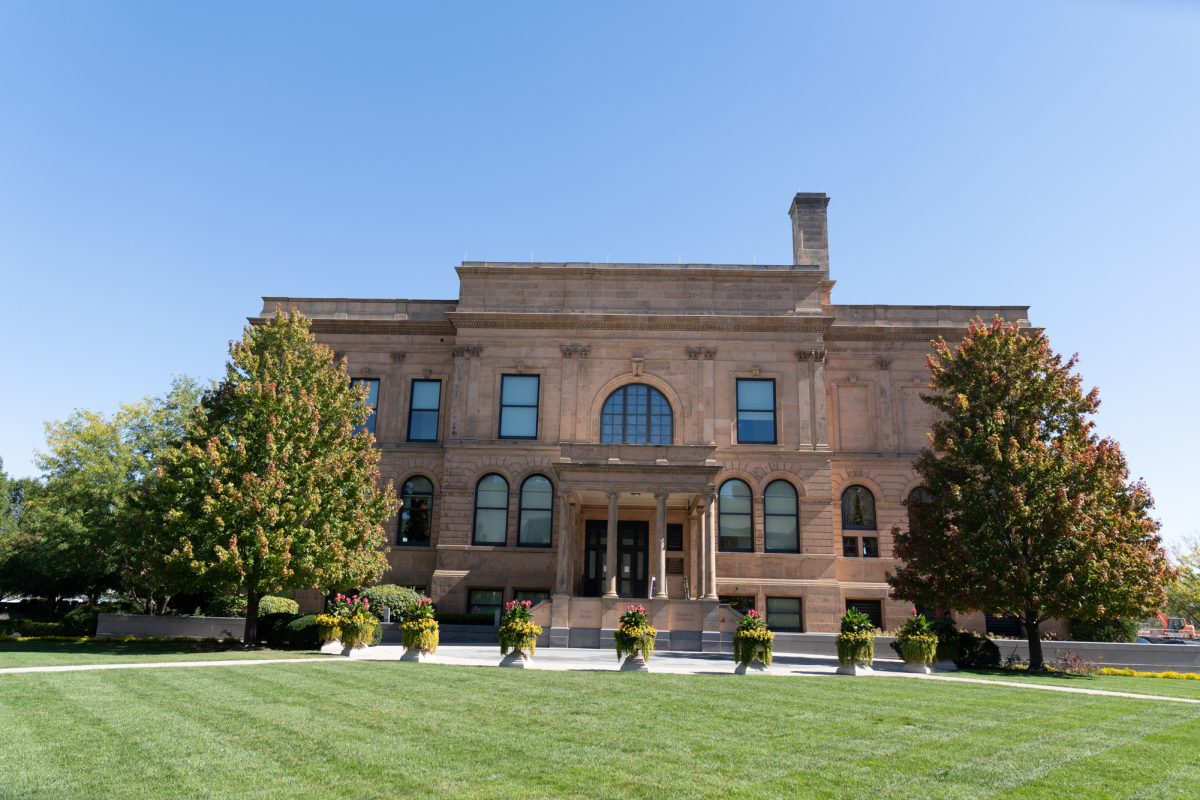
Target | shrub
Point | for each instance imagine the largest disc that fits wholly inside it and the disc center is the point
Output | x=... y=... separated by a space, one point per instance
x=977 y=651
x=233 y=605
x=1104 y=630
x=272 y=628
x=302 y=633
x=517 y=629
x=1133 y=673
x=1070 y=663
x=400 y=599
x=272 y=604
x=29 y=627
x=81 y=620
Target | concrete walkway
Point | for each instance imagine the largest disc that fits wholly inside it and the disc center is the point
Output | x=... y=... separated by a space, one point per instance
x=587 y=659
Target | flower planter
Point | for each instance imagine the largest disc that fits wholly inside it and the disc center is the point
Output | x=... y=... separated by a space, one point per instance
x=918 y=651
x=635 y=640
x=517 y=659
x=420 y=637
x=517 y=635
x=752 y=645
x=635 y=663
x=856 y=652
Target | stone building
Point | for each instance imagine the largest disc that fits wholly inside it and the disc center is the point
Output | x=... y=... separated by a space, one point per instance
x=686 y=434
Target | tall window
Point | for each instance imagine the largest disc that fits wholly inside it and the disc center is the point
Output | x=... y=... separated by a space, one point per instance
x=917 y=503
x=485 y=601
x=756 y=411
x=519 y=406
x=858 y=509
x=491 y=510
x=734 y=519
x=636 y=414
x=423 y=407
x=537 y=503
x=372 y=385
x=781 y=518
x=416 y=515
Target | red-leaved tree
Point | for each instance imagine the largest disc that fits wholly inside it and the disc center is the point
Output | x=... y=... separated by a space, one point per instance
x=1029 y=511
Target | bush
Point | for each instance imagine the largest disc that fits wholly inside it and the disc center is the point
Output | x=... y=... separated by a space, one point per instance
x=270 y=604
x=233 y=605
x=1104 y=630
x=975 y=651
x=302 y=634
x=81 y=620
x=28 y=627
x=400 y=599
x=272 y=628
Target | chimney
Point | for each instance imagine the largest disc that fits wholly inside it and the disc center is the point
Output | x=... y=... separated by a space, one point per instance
x=810 y=229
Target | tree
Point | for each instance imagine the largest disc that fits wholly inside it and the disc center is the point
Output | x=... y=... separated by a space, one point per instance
x=1183 y=595
x=82 y=532
x=274 y=489
x=1029 y=512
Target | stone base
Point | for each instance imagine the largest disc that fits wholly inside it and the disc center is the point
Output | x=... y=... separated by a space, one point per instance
x=517 y=659
x=945 y=665
x=558 y=637
x=855 y=669
x=420 y=656
x=919 y=669
x=333 y=647
x=754 y=668
x=634 y=663
x=357 y=652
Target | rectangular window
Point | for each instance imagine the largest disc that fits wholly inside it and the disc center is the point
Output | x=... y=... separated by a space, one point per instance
x=784 y=614
x=739 y=603
x=485 y=601
x=870 y=546
x=372 y=385
x=674 y=536
x=872 y=608
x=534 y=596
x=519 y=406
x=423 y=406
x=850 y=546
x=756 y=411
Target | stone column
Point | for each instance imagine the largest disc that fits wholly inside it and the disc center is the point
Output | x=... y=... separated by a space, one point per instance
x=660 y=547
x=610 y=553
x=695 y=588
x=710 y=550
x=562 y=578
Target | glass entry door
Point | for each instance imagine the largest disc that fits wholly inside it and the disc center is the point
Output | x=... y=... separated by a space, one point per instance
x=632 y=557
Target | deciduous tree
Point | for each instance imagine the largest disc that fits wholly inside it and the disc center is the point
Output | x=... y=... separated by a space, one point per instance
x=273 y=489
x=1183 y=595
x=1029 y=511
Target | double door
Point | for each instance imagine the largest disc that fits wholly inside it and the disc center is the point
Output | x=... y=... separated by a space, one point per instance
x=633 y=554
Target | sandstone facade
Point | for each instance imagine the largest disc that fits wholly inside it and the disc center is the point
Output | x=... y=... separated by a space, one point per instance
x=830 y=400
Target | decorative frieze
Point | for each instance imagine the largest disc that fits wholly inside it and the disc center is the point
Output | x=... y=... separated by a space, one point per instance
x=706 y=353
x=811 y=355
x=398 y=357
x=468 y=350
x=576 y=350
x=884 y=363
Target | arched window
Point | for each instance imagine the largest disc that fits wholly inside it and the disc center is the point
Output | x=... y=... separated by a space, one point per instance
x=416 y=516
x=918 y=499
x=491 y=510
x=858 y=509
x=734 y=517
x=781 y=518
x=537 y=504
x=636 y=414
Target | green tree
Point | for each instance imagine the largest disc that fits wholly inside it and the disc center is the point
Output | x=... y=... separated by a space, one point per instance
x=1183 y=595
x=1029 y=511
x=83 y=535
x=273 y=490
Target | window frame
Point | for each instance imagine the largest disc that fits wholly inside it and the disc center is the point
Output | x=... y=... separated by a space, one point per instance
x=428 y=511
x=518 y=592
x=720 y=514
x=497 y=589
x=737 y=405
x=776 y=626
x=437 y=426
x=372 y=423
x=651 y=391
x=475 y=512
x=521 y=512
x=671 y=529
x=874 y=509
x=863 y=545
x=537 y=421
x=725 y=598
x=767 y=515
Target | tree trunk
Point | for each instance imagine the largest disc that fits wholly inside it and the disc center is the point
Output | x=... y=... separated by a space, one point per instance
x=251 y=637
x=1035 y=645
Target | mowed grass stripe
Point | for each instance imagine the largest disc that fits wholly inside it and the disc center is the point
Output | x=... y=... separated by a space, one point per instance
x=390 y=729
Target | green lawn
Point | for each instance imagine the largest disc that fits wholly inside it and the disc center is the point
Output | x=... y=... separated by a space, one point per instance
x=1163 y=687
x=45 y=653
x=384 y=730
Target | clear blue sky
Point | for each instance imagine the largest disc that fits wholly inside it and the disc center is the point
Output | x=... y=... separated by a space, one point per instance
x=163 y=165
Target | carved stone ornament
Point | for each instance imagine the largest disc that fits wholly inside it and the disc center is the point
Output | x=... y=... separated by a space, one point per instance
x=398 y=357
x=810 y=355
x=574 y=350
x=468 y=350
x=696 y=353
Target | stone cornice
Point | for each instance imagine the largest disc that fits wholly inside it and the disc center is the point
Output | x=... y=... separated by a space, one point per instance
x=380 y=327
x=637 y=322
